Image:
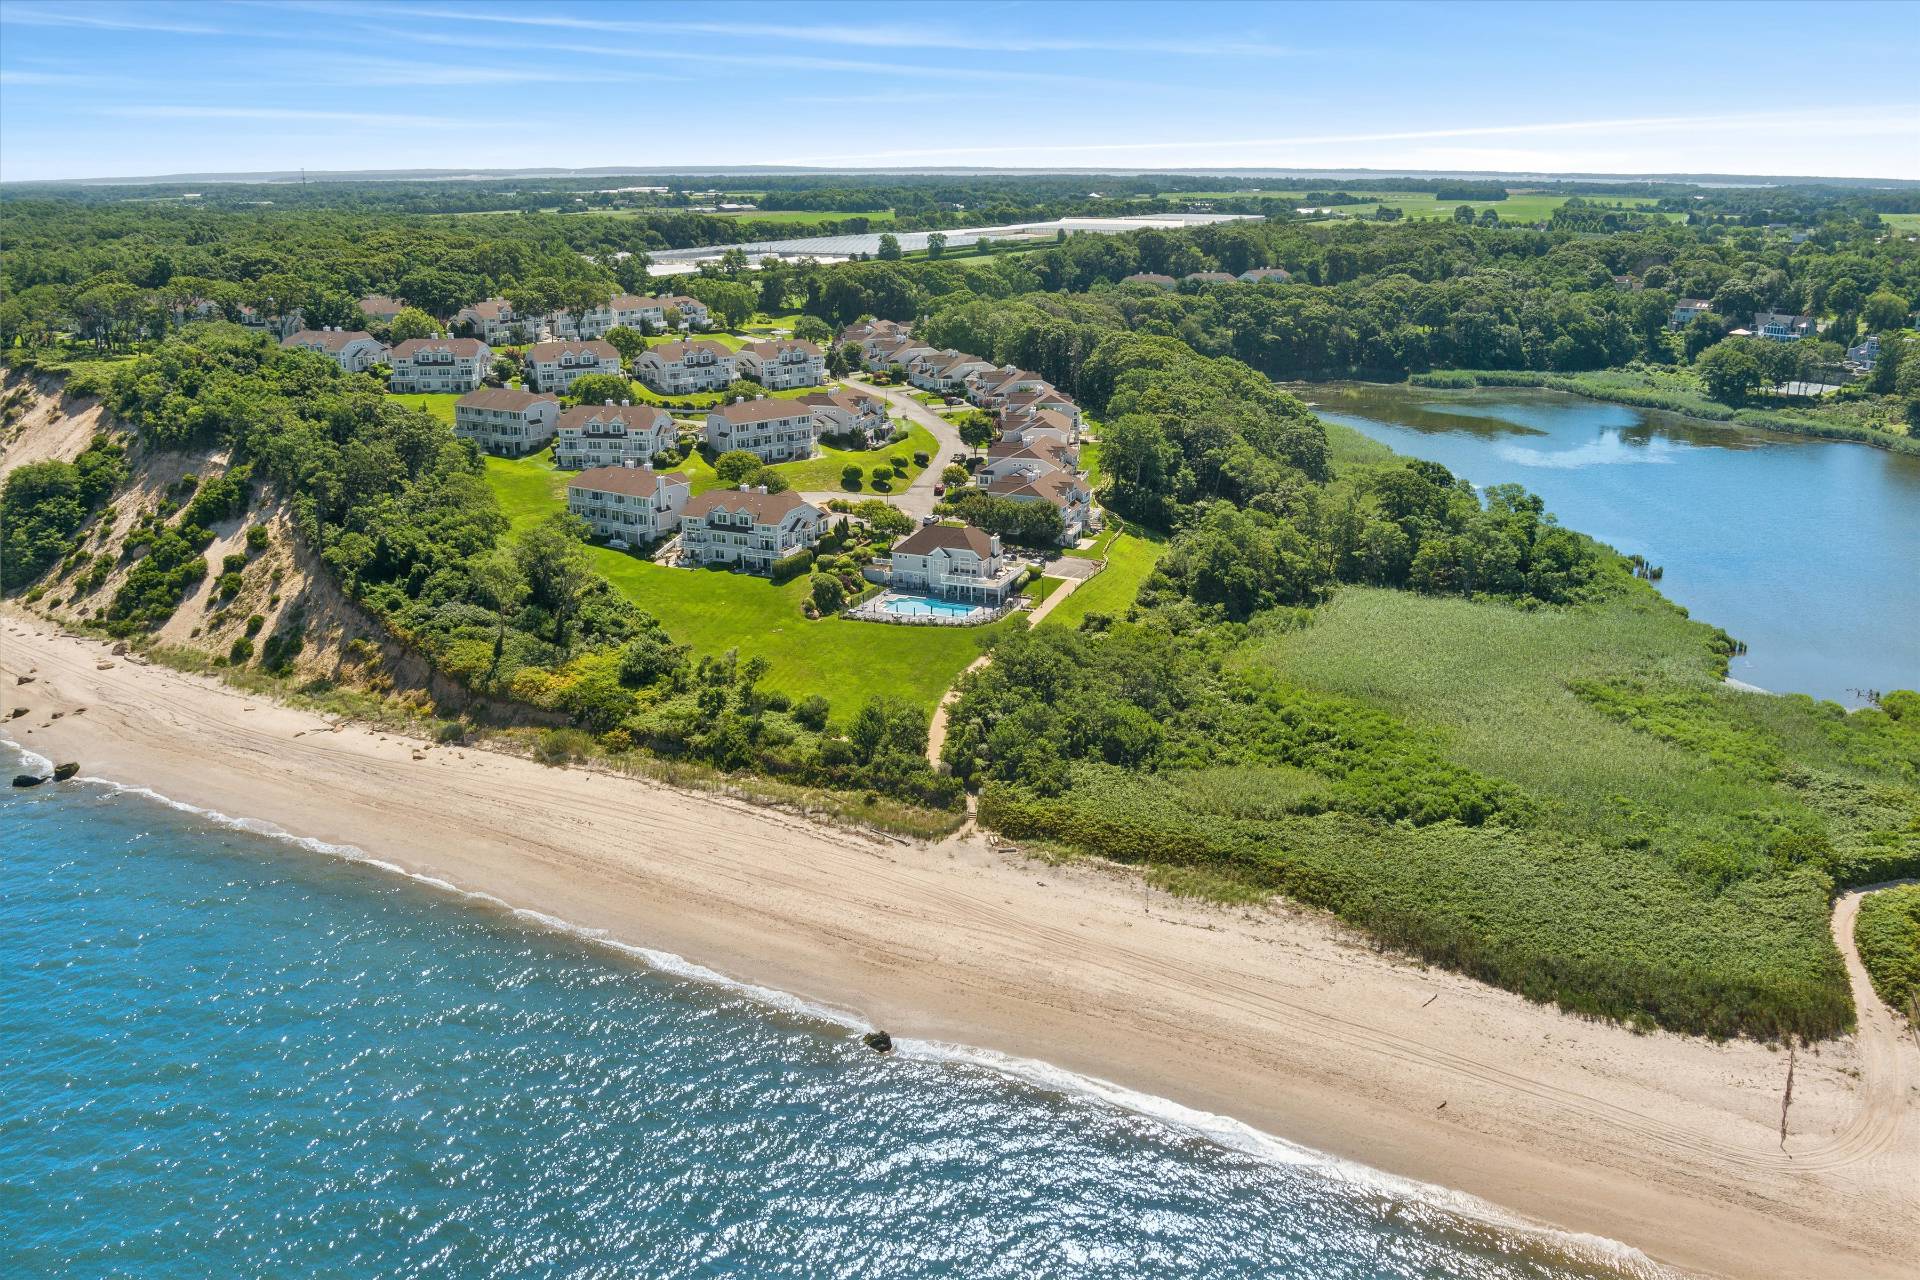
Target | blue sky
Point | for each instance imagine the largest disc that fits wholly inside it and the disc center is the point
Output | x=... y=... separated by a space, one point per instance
x=109 y=88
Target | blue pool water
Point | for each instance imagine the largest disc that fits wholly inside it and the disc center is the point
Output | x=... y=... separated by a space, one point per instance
x=230 y=1055
x=926 y=607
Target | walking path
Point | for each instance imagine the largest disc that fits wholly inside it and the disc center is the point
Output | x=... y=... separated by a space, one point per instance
x=917 y=499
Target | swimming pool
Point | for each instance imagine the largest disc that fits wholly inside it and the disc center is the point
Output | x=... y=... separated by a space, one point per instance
x=925 y=607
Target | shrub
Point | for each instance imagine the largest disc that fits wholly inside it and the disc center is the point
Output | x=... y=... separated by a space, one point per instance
x=920 y=457
x=850 y=477
x=789 y=567
x=899 y=463
x=1887 y=932
x=258 y=537
x=229 y=585
x=234 y=562
x=827 y=593
x=812 y=712
x=254 y=623
x=240 y=651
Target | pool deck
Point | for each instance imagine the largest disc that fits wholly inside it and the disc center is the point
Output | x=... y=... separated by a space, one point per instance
x=954 y=613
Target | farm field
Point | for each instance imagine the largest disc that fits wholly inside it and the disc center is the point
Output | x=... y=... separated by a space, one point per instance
x=806 y=217
x=713 y=611
x=1902 y=221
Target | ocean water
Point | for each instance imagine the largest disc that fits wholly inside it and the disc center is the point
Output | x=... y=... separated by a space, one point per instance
x=227 y=1054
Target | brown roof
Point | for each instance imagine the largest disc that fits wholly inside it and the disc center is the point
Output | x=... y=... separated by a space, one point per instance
x=1210 y=277
x=769 y=350
x=634 y=416
x=1267 y=273
x=490 y=309
x=1147 y=277
x=458 y=346
x=325 y=339
x=673 y=352
x=839 y=397
x=1042 y=451
x=635 y=482
x=744 y=411
x=1054 y=486
x=1038 y=420
x=502 y=398
x=379 y=304
x=543 y=351
x=929 y=538
x=766 y=508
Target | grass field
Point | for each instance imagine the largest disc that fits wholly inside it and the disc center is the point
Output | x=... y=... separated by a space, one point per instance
x=1902 y=221
x=1494 y=682
x=1130 y=558
x=807 y=217
x=713 y=611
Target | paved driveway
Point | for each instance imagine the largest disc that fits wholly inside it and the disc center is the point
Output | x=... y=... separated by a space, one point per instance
x=917 y=499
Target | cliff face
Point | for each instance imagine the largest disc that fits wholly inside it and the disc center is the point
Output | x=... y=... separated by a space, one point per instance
x=306 y=626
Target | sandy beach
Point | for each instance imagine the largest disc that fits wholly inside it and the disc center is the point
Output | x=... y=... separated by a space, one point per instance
x=1279 y=1018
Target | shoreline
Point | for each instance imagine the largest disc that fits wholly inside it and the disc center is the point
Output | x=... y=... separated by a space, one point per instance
x=1278 y=1019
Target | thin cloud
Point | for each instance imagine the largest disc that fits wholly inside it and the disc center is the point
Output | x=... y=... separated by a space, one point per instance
x=870 y=37
x=64 y=78
x=158 y=111
x=396 y=71
x=97 y=20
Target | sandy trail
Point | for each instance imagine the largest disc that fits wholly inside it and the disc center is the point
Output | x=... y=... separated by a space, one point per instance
x=1276 y=1017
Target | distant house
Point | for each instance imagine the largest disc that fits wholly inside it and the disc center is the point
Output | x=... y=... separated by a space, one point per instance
x=354 y=350
x=750 y=528
x=631 y=504
x=1866 y=355
x=1686 y=311
x=991 y=388
x=1210 y=277
x=693 y=312
x=496 y=323
x=1782 y=327
x=1627 y=284
x=377 y=306
x=1066 y=493
x=782 y=364
x=280 y=327
x=771 y=430
x=953 y=562
x=885 y=353
x=843 y=412
x=505 y=421
x=611 y=435
x=1153 y=278
x=1267 y=275
x=439 y=364
x=555 y=366
x=677 y=368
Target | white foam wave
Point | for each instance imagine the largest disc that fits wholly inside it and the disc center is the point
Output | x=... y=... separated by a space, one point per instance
x=1222 y=1130
x=29 y=758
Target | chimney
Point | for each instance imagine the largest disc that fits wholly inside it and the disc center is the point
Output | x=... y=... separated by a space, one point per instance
x=624 y=404
x=628 y=464
x=608 y=403
x=760 y=488
x=761 y=397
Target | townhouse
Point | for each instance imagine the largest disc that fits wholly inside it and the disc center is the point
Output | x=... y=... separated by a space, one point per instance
x=629 y=505
x=1266 y=275
x=990 y=388
x=1210 y=277
x=380 y=308
x=748 y=528
x=1066 y=493
x=945 y=372
x=771 y=430
x=496 y=323
x=1006 y=458
x=555 y=366
x=354 y=350
x=885 y=353
x=279 y=327
x=843 y=412
x=1153 y=278
x=1037 y=427
x=677 y=368
x=611 y=435
x=1022 y=404
x=953 y=562
x=505 y=421
x=782 y=364
x=868 y=331
x=439 y=364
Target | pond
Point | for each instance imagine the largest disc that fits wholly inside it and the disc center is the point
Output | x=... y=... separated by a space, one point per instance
x=1806 y=550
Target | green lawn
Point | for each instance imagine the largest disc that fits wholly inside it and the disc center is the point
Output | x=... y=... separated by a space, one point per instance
x=1902 y=221
x=1526 y=207
x=439 y=404
x=1090 y=462
x=822 y=472
x=1130 y=558
x=713 y=611
x=731 y=341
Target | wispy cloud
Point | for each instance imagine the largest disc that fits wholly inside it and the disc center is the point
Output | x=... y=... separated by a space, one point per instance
x=101 y=18
x=162 y=111
x=71 y=79
x=871 y=36
x=397 y=71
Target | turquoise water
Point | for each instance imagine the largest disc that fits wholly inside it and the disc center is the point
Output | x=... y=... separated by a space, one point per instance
x=926 y=607
x=1807 y=550
x=229 y=1055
